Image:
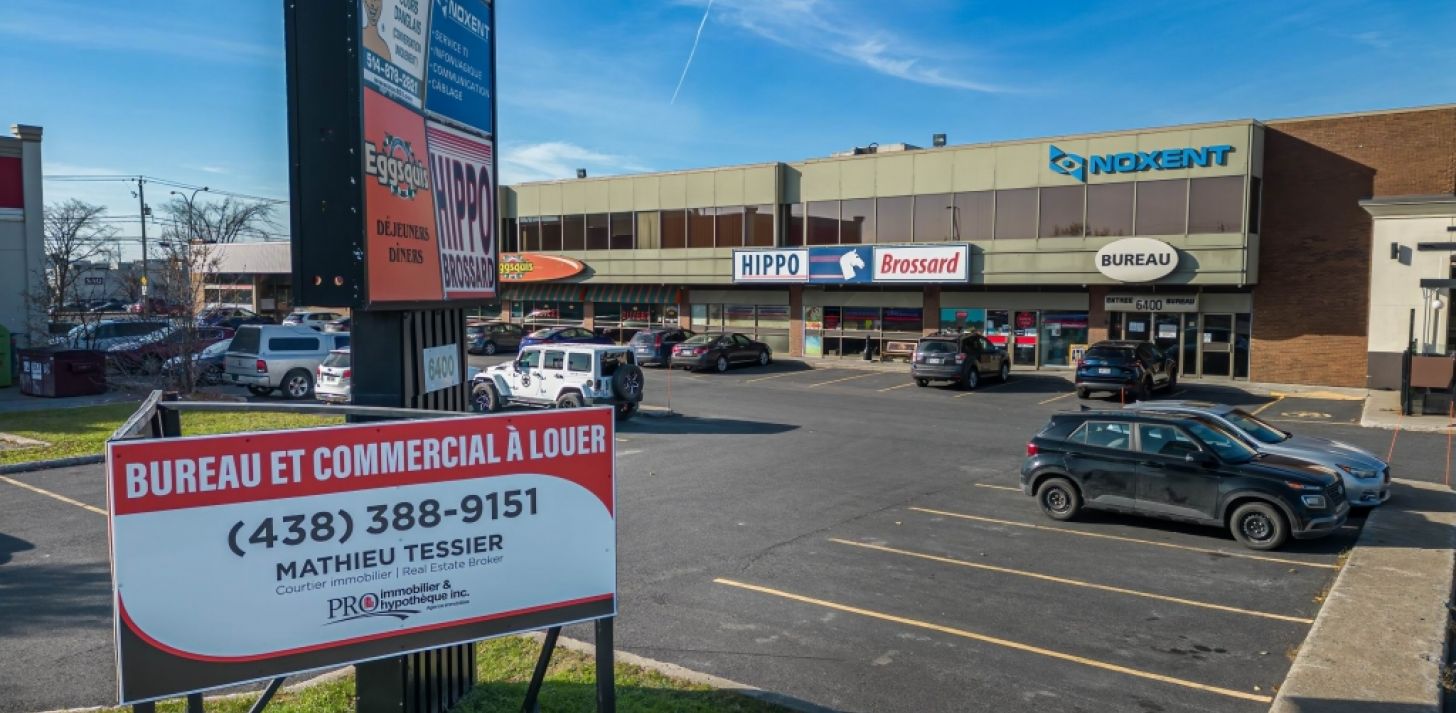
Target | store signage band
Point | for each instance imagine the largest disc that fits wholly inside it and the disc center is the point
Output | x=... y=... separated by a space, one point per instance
x=840 y=265
x=326 y=546
x=1079 y=167
x=1136 y=260
x=1160 y=304
x=537 y=267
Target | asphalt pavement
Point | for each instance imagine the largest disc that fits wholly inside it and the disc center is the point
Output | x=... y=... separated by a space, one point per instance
x=843 y=537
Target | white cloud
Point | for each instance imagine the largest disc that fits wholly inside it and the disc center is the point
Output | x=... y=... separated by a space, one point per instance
x=553 y=160
x=824 y=28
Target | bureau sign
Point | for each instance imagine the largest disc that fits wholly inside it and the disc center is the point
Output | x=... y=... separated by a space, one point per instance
x=1137 y=260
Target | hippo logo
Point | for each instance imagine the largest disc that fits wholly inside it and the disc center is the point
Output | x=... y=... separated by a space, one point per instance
x=849 y=263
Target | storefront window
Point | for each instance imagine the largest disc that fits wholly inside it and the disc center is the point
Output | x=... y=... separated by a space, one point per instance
x=621 y=231
x=794 y=225
x=573 y=232
x=998 y=328
x=857 y=221
x=730 y=227
x=551 y=233
x=649 y=230
x=1109 y=209
x=773 y=326
x=738 y=317
x=904 y=319
x=533 y=313
x=598 y=235
x=1061 y=212
x=1162 y=207
x=1016 y=213
x=674 y=229
x=1059 y=331
x=832 y=320
x=823 y=222
x=961 y=319
x=893 y=219
x=715 y=316
x=1216 y=205
x=698 y=317
x=975 y=214
x=866 y=319
x=760 y=224
x=700 y=227
x=606 y=313
x=934 y=222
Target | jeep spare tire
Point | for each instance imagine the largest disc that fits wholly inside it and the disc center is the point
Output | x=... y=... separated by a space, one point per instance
x=627 y=383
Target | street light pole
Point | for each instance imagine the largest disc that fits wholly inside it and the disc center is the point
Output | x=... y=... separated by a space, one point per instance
x=187 y=243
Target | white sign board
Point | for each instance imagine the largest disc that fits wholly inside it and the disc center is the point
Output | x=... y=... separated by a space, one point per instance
x=922 y=263
x=1137 y=260
x=770 y=265
x=255 y=555
x=442 y=367
x=1151 y=303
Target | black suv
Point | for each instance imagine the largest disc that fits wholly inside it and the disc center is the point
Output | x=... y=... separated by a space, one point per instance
x=1181 y=468
x=1133 y=369
x=961 y=359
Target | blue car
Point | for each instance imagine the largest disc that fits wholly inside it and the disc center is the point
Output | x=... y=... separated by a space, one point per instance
x=563 y=335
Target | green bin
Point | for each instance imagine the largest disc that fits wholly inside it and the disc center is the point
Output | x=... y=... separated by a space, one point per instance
x=6 y=357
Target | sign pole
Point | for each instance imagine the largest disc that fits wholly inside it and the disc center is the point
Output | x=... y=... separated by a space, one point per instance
x=606 y=666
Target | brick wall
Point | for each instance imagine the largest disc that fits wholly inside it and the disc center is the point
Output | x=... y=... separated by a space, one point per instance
x=1311 y=303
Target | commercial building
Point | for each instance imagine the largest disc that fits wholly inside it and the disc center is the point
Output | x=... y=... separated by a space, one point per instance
x=1245 y=246
x=22 y=241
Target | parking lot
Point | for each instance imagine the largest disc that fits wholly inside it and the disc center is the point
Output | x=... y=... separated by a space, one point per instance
x=848 y=539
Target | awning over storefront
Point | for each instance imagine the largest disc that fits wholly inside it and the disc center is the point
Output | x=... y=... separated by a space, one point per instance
x=633 y=294
x=563 y=292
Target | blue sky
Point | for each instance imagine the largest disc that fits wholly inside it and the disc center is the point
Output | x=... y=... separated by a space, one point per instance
x=193 y=90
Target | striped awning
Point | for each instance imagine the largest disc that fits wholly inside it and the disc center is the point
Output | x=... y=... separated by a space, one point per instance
x=633 y=294
x=559 y=292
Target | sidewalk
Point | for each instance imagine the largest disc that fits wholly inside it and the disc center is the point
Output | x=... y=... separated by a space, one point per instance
x=1382 y=410
x=1379 y=642
x=12 y=401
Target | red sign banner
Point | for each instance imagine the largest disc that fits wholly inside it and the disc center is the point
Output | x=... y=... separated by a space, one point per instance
x=537 y=267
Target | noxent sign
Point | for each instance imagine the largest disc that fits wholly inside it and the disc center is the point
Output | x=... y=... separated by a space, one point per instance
x=1078 y=166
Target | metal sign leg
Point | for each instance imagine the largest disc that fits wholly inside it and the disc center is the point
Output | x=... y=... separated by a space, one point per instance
x=606 y=667
x=539 y=675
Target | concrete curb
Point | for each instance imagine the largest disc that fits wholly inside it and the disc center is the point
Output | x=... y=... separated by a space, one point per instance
x=1379 y=641
x=686 y=674
x=48 y=464
x=1382 y=410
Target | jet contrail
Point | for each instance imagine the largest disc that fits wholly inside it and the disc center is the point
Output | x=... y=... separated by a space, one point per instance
x=693 y=51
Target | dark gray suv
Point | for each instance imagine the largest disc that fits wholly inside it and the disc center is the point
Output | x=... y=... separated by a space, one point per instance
x=961 y=359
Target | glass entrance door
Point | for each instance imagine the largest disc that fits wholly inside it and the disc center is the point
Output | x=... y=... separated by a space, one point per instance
x=1025 y=334
x=1217 y=345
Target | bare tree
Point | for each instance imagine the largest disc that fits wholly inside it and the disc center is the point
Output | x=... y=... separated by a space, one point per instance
x=74 y=233
x=230 y=220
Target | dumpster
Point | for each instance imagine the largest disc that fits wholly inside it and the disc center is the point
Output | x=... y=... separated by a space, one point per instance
x=62 y=372
x=7 y=344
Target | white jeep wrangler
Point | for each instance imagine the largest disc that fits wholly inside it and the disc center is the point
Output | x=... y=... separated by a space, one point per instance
x=562 y=376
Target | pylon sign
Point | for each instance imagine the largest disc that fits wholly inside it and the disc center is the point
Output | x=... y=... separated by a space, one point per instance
x=392 y=147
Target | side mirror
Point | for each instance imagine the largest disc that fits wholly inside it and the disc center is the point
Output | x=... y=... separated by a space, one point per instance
x=1202 y=458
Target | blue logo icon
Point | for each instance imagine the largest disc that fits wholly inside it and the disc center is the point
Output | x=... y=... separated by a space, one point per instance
x=1078 y=167
x=840 y=265
x=1068 y=164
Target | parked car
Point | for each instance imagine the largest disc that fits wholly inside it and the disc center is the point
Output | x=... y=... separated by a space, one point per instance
x=103 y=306
x=283 y=357
x=961 y=359
x=1366 y=475
x=334 y=375
x=563 y=376
x=313 y=320
x=108 y=332
x=654 y=346
x=147 y=354
x=493 y=337
x=208 y=365
x=154 y=305
x=718 y=351
x=563 y=335
x=1131 y=368
x=341 y=324
x=231 y=317
x=1179 y=467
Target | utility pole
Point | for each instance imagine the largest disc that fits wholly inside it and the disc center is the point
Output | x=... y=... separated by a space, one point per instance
x=142 y=211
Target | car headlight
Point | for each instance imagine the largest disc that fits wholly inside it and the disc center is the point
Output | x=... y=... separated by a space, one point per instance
x=1314 y=502
x=1365 y=473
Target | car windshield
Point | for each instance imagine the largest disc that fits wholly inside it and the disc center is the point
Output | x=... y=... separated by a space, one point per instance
x=644 y=337
x=474 y=330
x=337 y=359
x=1225 y=444
x=1252 y=425
x=937 y=346
x=543 y=333
x=702 y=339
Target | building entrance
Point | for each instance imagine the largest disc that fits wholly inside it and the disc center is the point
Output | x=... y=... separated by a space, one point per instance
x=1209 y=344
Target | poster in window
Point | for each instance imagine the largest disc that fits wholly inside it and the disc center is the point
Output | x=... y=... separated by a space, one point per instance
x=393 y=39
x=404 y=258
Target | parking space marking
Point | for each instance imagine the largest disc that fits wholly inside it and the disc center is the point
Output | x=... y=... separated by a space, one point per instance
x=57 y=496
x=1076 y=582
x=892 y=388
x=847 y=378
x=1058 y=398
x=1119 y=538
x=997 y=487
x=778 y=376
x=1260 y=410
x=996 y=641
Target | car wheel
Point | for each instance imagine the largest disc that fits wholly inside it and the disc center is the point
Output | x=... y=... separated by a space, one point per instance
x=973 y=377
x=490 y=349
x=297 y=384
x=1084 y=394
x=1059 y=499
x=1259 y=526
x=625 y=411
x=763 y=358
x=628 y=383
x=1005 y=372
x=721 y=365
x=922 y=383
x=485 y=399
x=569 y=401
x=259 y=390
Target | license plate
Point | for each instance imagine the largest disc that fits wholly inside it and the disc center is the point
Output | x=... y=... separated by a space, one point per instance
x=1104 y=370
x=934 y=360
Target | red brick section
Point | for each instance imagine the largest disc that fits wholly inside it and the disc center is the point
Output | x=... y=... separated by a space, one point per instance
x=1097 y=317
x=1312 y=301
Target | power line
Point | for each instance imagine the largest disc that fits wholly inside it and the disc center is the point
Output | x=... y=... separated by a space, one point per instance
x=89 y=178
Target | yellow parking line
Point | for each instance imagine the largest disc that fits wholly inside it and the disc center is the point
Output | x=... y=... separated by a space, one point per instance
x=1119 y=538
x=998 y=487
x=995 y=641
x=1076 y=582
x=778 y=376
x=1057 y=398
x=847 y=378
x=901 y=386
x=1277 y=399
x=50 y=494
